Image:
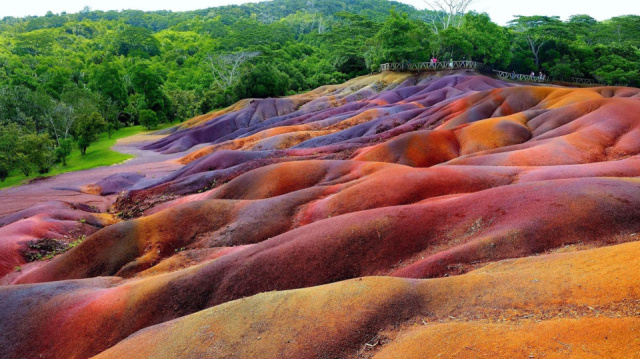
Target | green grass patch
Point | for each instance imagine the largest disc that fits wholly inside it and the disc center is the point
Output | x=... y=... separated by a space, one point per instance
x=98 y=154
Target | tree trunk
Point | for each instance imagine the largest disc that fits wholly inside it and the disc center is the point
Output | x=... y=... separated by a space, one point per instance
x=535 y=50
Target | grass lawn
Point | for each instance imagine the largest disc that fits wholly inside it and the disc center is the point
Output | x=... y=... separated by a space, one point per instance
x=99 y=153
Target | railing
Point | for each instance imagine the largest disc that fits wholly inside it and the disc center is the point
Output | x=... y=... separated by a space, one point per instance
x=534 y=78
x=579 y=80
x=433 y=66
x=521 y=77
x=456 y=65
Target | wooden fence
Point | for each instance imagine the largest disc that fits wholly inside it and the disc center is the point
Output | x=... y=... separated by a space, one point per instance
x=536 y=78
x=431 y=66
x=579 y=80
x=521 y=77
x=457 y=65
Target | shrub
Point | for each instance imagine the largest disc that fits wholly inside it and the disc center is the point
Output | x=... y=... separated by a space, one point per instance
x=87 y=130
x=4 y=171
x=148 y=119
x=63 y=151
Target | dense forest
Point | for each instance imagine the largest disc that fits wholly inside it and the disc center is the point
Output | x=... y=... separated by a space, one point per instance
x=64 y=78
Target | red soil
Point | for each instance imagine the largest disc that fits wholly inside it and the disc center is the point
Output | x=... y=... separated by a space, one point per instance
x=392 y=216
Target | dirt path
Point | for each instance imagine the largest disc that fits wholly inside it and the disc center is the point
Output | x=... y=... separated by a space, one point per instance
x=150 y=163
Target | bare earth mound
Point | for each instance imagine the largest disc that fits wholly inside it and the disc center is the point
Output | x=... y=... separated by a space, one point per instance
x=396 y=215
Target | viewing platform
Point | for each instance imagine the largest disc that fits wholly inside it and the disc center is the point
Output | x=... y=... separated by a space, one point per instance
x=473 y=65
x=431 y=66
x=521 y=77
x=544 y=79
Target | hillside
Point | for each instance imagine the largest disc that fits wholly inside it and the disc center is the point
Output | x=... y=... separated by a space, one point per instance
x=394 y=215
x=68 y=79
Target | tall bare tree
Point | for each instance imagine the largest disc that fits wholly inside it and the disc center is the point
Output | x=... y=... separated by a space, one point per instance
x=537 y=31
x=448 y=13
x=227 y=69
x=61 y=119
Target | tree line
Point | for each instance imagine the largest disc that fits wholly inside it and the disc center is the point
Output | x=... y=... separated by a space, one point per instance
x=65 y=78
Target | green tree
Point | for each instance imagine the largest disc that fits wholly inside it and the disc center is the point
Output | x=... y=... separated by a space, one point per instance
x=149 y=83
x=148 y=119
x=82 y=101
x=64 y=150
x=452 y=43
x=108 y=80
x=401 y=39
x=489 y=42
x=9 y=135
x=23 y=163
x=34 y=151
x=534 y=32
x=264 y=81
x=40 y=151
x=565 y=68
x=617 y=64
x=184 y=104
x=21 y=105
x=55 y=78
x=584 y=27
x=137 y=41
x=621 y=30
x=37 y=42
x=87 y=130
x=347 y=42
x=4 y=169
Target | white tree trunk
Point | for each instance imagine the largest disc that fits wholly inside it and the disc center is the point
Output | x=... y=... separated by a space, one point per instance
x=448 y=12
x=226 y=69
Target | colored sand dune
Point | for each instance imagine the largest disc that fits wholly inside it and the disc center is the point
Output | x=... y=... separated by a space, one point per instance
x=395 y=215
